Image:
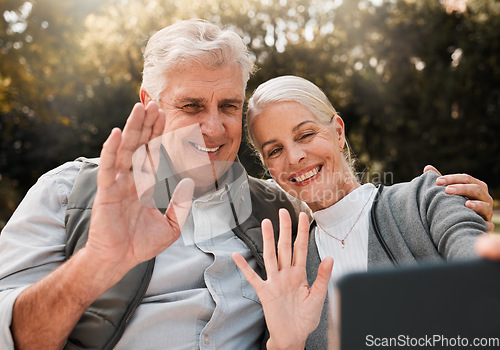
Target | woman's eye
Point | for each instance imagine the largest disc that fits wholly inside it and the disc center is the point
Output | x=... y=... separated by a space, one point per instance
x=306 y=135
x=273 y=152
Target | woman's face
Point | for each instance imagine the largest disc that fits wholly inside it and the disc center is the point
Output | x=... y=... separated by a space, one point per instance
x=302 y=154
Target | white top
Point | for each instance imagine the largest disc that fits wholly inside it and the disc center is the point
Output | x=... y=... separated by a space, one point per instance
x=337 y=220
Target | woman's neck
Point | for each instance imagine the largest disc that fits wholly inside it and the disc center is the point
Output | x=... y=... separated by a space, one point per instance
x=343 y=189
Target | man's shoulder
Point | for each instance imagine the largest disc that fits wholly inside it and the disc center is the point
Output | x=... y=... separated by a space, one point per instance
x=270 y=190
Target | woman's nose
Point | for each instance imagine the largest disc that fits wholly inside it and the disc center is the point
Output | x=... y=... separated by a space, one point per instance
x=296 y=154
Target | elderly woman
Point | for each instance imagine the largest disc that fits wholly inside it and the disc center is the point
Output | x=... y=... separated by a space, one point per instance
x=301 y=140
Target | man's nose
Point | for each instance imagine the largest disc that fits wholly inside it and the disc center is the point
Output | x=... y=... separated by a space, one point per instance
x=212 y=124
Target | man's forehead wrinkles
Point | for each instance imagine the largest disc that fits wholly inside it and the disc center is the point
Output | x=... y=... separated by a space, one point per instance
x=195 y=95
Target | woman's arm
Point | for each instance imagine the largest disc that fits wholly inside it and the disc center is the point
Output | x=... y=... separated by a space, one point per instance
x=476 y=191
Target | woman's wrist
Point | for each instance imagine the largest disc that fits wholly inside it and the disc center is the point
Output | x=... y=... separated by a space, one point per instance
x=289 y=345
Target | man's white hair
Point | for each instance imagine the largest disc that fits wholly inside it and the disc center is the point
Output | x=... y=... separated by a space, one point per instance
x=188 y=43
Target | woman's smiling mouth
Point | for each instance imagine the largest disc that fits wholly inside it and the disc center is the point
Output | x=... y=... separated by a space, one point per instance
x=307 y=175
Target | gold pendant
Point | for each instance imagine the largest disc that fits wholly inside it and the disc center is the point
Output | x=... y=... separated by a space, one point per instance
x=343 y=244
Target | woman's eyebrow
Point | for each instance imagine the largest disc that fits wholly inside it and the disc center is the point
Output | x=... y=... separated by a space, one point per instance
x=297 y=127
x=268 y=143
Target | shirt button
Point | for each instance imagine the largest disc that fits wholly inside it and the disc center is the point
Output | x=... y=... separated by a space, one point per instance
x=206 y=340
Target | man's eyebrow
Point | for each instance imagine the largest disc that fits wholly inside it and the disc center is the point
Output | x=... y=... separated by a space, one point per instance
x=190 y=100
x=232 y=100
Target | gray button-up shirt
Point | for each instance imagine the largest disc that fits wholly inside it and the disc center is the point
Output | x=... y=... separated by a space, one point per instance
x=197 y=297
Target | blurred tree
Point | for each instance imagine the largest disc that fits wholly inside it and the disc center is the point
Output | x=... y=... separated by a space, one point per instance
x=417 y=82
x=425 y=86
x=38 y=70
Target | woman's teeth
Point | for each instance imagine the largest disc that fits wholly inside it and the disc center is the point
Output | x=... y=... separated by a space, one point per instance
x=307 y=175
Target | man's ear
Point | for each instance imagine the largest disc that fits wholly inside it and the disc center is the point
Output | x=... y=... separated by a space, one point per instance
x=145 y=98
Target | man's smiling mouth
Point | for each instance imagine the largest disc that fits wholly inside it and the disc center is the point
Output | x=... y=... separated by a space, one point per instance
x=205 y=149
x=306 y=176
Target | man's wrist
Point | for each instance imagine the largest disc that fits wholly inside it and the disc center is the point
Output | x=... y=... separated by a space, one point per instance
x=100 y=273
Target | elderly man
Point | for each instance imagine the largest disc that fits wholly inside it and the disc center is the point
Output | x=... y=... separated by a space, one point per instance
x=77 y=257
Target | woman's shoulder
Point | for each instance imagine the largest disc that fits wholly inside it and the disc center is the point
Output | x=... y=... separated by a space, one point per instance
x=421 y=187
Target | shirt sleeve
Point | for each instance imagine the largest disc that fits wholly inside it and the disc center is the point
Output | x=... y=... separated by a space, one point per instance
x=32 y=243
x=454 y=227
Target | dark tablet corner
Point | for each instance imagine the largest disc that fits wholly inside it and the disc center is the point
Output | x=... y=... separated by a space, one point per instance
x=432 y=306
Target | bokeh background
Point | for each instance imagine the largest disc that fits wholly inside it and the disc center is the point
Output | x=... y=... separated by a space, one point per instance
x=416 y=81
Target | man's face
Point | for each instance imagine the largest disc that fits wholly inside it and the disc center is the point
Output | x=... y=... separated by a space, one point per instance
x=205 y=105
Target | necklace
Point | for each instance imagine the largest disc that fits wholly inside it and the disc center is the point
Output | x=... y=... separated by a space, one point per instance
x=355 y=222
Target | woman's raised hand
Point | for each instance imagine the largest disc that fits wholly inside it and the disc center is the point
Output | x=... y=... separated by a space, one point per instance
x=292 y=308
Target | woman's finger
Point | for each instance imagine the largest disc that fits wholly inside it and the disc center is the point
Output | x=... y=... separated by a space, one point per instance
x=320 y=286
x=270 y=260
x=251 y=276
x=301 y=242
x=285 y=240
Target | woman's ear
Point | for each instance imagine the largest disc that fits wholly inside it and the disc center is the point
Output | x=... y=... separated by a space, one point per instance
x=339 y=130
x=145 y=98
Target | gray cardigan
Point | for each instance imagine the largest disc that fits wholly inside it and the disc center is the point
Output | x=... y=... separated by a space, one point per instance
x=409 y=222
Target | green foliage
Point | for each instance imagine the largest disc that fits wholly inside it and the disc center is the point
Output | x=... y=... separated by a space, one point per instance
x=415 y=83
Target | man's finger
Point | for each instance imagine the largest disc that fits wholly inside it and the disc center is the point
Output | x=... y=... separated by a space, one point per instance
x=465 y=179
x=107 y=167
x=488 y=246
x=301 y=242
x=180 y=204
x=151 y=115
x=130 y=137
x=431 y=168
x=482 y=208
x=159 y=125
x=491 y=226
x=473 y=191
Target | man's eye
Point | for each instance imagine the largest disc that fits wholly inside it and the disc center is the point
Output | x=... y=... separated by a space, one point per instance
x=230 y=107
x=191 y=108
